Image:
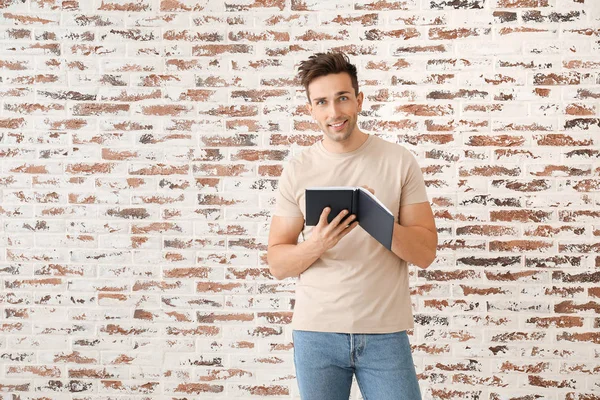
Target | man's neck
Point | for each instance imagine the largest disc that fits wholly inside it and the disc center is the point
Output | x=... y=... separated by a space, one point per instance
x=355 y=140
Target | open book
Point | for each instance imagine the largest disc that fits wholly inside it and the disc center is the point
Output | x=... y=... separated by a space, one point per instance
x=372 y=215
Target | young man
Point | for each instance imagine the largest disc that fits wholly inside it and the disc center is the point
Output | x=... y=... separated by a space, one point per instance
x=353 y=303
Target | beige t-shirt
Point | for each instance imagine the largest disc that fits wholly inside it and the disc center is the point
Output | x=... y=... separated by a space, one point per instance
x=358 y=286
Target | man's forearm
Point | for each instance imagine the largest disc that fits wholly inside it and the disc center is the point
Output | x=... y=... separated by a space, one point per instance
x=287 y=260
x=414 y=244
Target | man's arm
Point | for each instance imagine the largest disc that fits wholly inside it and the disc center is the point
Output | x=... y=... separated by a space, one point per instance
x=415 y=236
x=288 y=258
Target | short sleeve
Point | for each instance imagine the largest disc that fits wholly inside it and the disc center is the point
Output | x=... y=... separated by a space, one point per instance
x=286 y=205
x=413 y=184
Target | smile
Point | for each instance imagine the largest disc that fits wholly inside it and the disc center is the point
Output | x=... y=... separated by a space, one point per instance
x=339 y=125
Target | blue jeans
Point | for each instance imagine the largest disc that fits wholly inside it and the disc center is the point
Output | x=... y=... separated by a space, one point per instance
x=383 y=364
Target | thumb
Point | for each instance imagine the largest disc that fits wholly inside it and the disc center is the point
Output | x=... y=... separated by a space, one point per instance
x=369 y=189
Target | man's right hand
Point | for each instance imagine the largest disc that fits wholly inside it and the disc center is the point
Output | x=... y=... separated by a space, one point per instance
x=326 y=235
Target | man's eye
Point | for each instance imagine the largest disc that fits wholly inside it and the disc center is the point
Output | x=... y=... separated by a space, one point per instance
x=320 y=102
x=343 y=98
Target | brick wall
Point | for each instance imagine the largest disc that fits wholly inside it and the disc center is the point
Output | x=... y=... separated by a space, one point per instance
x=141 y=142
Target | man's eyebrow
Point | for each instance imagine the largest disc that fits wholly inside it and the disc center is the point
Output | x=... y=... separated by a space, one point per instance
x=337 y=94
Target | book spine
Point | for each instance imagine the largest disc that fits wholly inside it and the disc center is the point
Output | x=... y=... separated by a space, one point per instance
x=354 y=203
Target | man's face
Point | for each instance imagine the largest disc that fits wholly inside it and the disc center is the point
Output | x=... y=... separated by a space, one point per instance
x=334 y=106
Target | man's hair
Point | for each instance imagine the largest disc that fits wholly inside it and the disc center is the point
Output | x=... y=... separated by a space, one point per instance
x=321 y=64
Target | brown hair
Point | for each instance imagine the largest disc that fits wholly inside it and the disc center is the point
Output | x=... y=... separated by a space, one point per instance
x=321 y=64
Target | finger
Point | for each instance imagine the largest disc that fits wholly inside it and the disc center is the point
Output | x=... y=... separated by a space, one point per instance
x=345 y=224
x=336 y=221
x=323 y=217
x=348 y=229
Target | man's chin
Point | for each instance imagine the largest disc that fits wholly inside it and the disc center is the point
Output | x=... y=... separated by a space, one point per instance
x=337 y=139
x=338 y=136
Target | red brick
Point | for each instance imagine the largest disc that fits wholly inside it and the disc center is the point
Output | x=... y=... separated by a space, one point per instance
x=282 y=50
x=232 y=111
x=258 y=5
x=262 y=36
x=462 y=275
x=88 y=109
x=569 y=307
x=401 y=34
x=555 y=322
x=212 y=50
x=133 y=6
x=557 y=139
x=198 y=388
x=521 y=215
x=260 y=95
x=520 y=245
x=592 y=337
x=363 y=20
x=186 y=35
x=381 y=5
x=452 y=34
x=31 y=19
x=523 y=3
x=170 y=110
x=536 y=185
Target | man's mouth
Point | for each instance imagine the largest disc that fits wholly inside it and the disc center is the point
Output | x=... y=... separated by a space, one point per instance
x=338 y=125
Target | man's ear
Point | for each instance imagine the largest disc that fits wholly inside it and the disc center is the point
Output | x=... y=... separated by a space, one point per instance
x=309 y=108
x=359 y=100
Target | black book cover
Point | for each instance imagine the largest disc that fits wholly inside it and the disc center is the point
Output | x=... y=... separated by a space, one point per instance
x=372 y=215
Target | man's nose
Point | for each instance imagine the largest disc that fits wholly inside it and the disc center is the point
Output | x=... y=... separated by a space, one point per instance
x=334 y=110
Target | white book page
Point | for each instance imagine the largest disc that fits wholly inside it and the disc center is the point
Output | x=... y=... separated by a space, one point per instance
x=332 y=188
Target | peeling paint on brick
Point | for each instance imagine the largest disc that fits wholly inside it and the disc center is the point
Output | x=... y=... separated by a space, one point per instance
x=142 y=142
